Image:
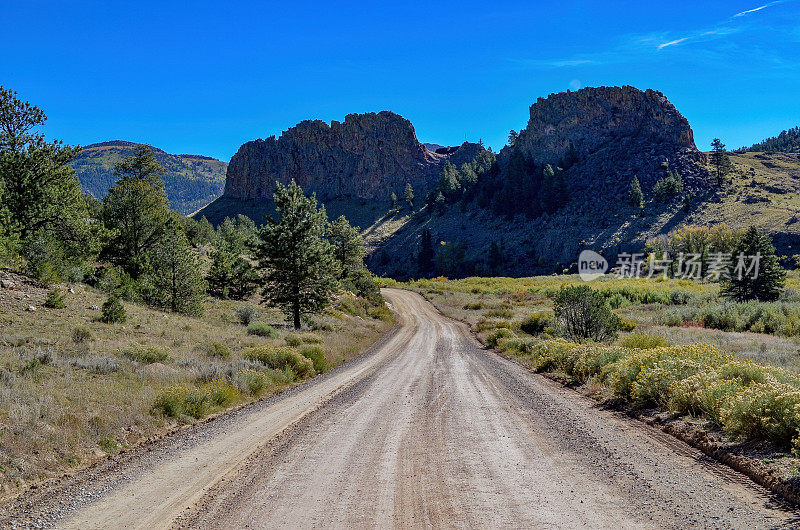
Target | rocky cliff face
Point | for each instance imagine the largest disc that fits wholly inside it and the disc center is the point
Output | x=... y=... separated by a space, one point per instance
x=367 y=156
x=614 y=133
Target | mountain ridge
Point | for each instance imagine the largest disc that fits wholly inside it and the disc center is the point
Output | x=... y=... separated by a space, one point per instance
x=191 y=181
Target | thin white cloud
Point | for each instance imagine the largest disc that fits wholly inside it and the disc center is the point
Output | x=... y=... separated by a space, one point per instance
x=637 y=46
x=759 y=8
x=672 y=43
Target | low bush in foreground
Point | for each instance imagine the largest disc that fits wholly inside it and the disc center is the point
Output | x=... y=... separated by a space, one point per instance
x=195 y=401
x=642 y=341
x=746 y=399
x=55 y=300
x=113 y=311
x=261 y=330
x=145 y=354
x=284 y=358
x=317 y=357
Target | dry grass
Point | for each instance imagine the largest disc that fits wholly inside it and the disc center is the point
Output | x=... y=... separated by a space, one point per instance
x=66 y=403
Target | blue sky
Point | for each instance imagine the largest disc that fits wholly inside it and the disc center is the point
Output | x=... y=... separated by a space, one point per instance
x=204 y=77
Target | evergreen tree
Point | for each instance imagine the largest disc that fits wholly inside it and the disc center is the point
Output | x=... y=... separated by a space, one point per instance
x=764 y=283
x=495 y=258
x=348 y=246
x=549 y=192
x=512 y=137
x=140 y=165
x=720 y=160
x=425 y=256
x=393 y=201
x=561 y=190
x=449 y=185
x=635 y=195
x=40 y=197
x=298 y=265
x=220 y=276
x=173 y=280
x=439 y=202
x=245 y=279
x=408 y=195
x=136 y=209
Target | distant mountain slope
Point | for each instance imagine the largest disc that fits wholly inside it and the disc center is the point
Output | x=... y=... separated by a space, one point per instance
x=785 y=142
x=191 y=181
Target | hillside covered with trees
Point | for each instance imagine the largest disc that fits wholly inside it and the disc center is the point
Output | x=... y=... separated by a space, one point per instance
x=785 y=142
x=191 y=181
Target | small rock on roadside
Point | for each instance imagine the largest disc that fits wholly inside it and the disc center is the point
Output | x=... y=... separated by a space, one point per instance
x=31 y=308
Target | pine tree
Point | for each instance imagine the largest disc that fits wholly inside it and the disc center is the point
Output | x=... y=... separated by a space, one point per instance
x=512 y=137
x=439 y=203
x=635 y=195
x=174 y=281
x=769 y=279
x=549 y=193
x=408 y=195
x=393 y=201
x=449 y=185
x=220 y=276
x=136 y=208
x=298 y=265
x=40 y=196
x=720 y=160
x=425 y=256
x=348 y=246
x=495 y=258
x=245 y=279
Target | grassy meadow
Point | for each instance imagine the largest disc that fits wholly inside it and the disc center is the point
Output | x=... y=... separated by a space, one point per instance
x=74 y=389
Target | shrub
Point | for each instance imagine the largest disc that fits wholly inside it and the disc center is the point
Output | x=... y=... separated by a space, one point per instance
x=535 y=324
x=310 y=338
x=501 y=312
x=582 y=313
x=293 y=340
x=251 y=381
x=262 y=330
x=113 y=311
x=381 y=312
x=593 y=360
x=145 y=354
x=220 y=393
x=81 y=334
x=196 y=402
x=474 y=306
x=246 y=314
x=494 y=337
x=317 y=357
x=55 y=300
x=626 y=325
x=642 y=341
x=218 y=350
x=769 y=410
x=281 y=359
x=555 y=355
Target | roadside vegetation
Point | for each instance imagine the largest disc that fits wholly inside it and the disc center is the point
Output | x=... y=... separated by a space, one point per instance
x=682 y=346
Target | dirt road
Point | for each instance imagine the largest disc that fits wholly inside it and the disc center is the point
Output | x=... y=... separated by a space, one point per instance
x=426 y=430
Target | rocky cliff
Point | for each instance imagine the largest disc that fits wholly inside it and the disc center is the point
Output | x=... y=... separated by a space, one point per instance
x=367 y=156
x=611 y=134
